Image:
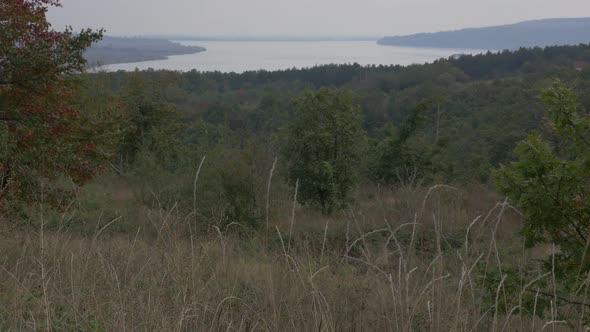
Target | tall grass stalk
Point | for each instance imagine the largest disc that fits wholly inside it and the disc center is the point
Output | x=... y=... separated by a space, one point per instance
x=360 y=271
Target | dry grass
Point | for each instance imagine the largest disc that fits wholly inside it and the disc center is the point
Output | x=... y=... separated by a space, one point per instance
x=409 y=260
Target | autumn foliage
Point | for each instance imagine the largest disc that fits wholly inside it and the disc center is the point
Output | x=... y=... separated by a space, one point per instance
x=43 y=137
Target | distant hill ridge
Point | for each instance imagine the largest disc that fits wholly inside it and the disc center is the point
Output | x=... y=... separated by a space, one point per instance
x=111 y=50
x=547 y=32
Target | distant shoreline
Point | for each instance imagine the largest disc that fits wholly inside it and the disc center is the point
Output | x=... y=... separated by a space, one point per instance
x=117 y=50
x=537 y=33
x=271 y=56
x=266 y=38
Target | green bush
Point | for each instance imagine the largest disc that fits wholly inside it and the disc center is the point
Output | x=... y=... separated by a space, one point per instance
x=324 y=148
x=549 y=183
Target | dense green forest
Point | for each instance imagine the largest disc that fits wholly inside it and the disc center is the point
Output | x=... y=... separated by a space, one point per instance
x=471 y=111
x=453 y=121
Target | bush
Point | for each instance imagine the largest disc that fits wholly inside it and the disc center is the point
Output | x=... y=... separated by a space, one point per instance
x=549 y=182
x=323 y=148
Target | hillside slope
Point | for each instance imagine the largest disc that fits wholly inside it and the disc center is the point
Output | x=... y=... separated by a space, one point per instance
x=541 y=33
x=113 y=50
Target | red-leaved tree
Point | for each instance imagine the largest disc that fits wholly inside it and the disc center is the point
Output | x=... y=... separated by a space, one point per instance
x=42 y=138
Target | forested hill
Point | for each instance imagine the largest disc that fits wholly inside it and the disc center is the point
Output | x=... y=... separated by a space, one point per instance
x=549 y=32
x=113 y=50
x=472 y=110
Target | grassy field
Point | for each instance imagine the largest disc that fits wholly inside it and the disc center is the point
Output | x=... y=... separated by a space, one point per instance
x=412 y=259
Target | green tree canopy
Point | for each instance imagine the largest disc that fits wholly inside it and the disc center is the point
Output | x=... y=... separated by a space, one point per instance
x=550 y=183
x=42 y=135
x=399 y=160
x=323 y=148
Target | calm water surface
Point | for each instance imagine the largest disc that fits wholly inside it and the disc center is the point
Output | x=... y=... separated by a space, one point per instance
x=245 y=56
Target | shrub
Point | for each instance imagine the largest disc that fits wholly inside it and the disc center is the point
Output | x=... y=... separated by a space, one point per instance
x=323 y=148
x=549 y=182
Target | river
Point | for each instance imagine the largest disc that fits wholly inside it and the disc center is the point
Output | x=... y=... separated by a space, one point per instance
x=240 y=56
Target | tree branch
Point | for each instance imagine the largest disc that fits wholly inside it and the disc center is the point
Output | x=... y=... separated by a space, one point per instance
x=566 y=301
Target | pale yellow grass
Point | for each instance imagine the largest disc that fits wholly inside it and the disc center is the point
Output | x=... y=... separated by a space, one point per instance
x=407 y=260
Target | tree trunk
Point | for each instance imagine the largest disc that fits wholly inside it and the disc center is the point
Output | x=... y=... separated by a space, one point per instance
x=5 y=171
x=437 y=137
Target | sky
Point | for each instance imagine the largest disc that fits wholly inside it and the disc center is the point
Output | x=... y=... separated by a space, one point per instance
x=302 y=17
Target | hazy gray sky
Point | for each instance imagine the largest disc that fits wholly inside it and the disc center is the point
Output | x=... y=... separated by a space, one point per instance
x=303 y=17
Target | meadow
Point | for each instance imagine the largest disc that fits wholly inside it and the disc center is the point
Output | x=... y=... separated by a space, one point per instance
x=410 y=259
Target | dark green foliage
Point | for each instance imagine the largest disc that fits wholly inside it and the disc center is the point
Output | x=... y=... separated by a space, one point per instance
x=478 y=108
x=149 y=125
x=439 y=122
x=228 y=189
x=400 y=160
x=238 y=184
x=523 y=60
x=323 y=148
x=549 y=182
x=512 y=295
